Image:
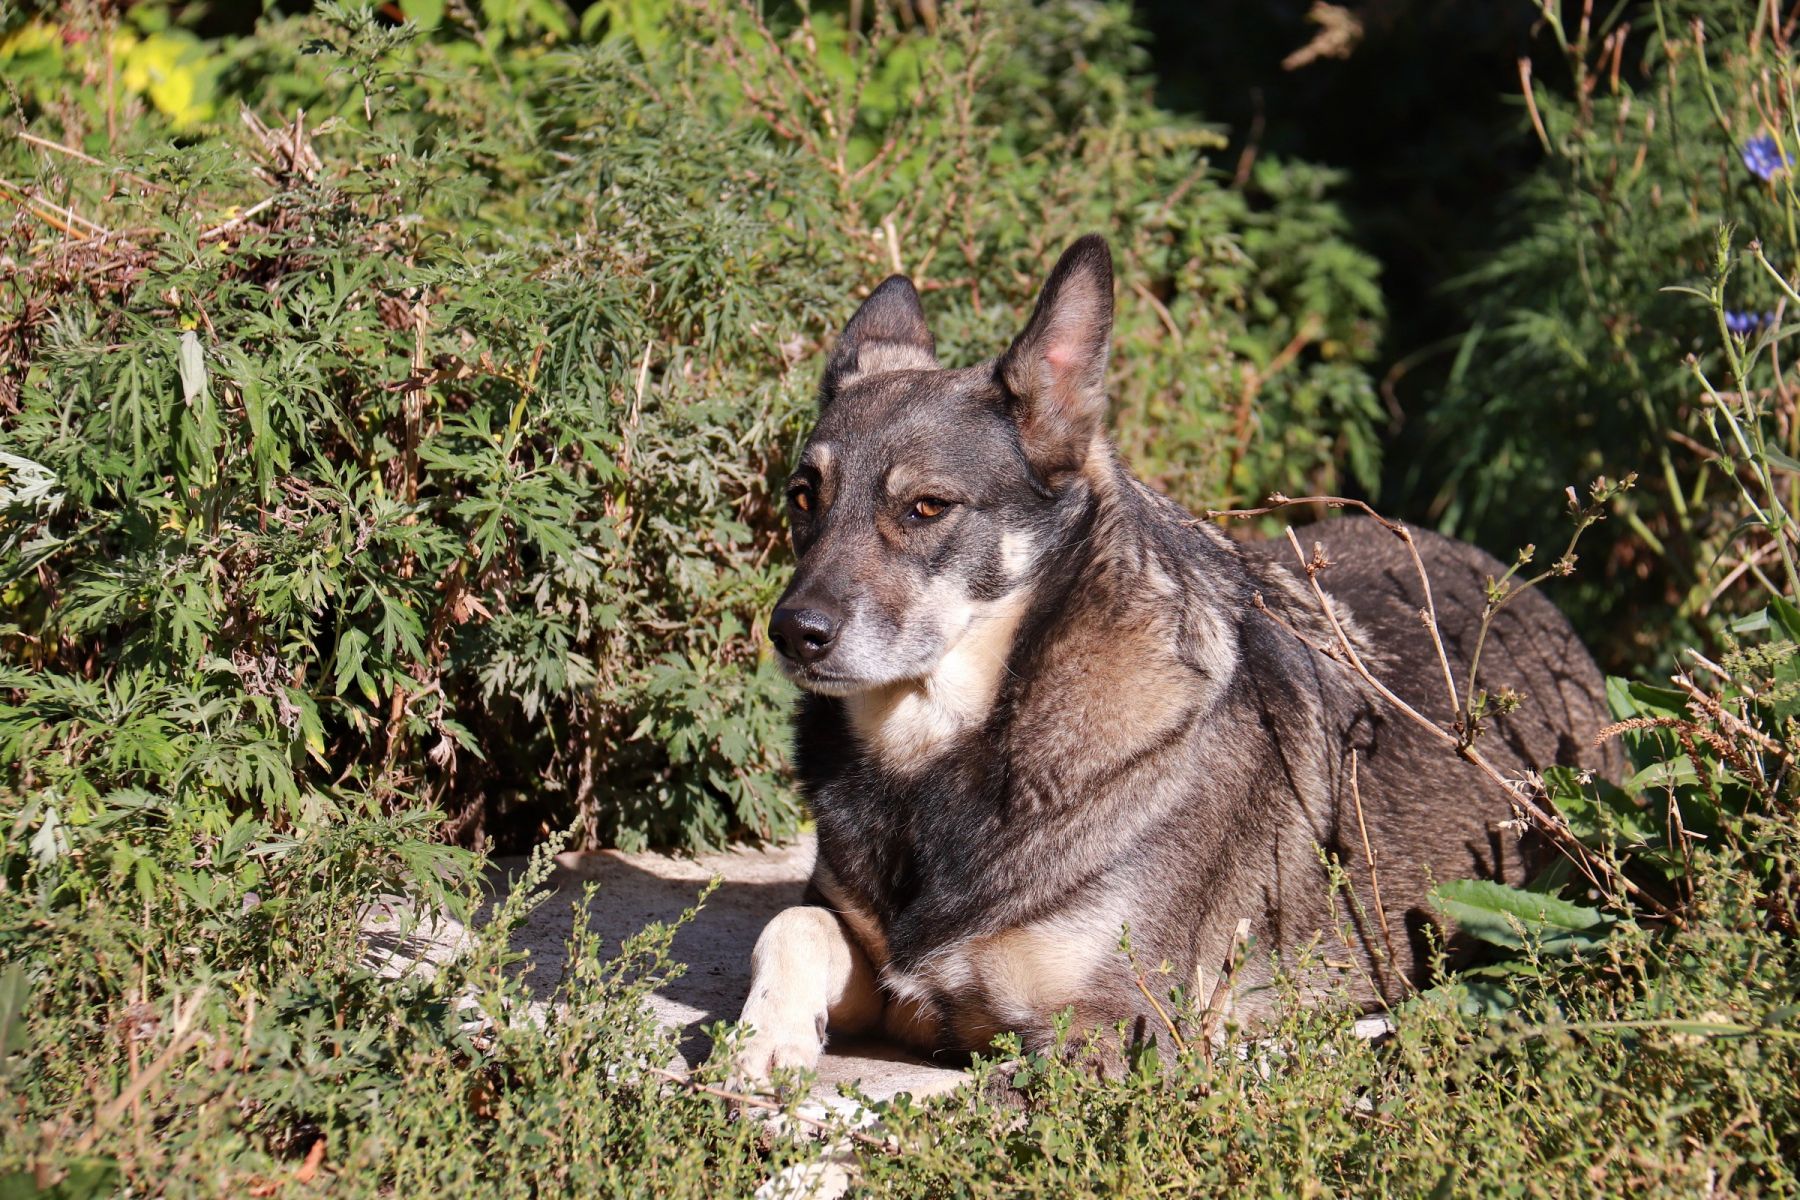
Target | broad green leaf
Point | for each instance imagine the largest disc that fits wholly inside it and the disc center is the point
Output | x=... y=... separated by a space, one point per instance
x=1786 y=616
x=1672 y=772
x=1507 y=916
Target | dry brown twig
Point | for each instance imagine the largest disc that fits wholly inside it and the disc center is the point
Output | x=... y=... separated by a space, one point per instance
x=1168 y=1021
x=1218 y=1000
x=1387 y=936
x=227 y=226
x=55 y=215
x=183 y=1033
x=1537 y=121
x=44 y=143
x=1428 y=617
x=1340 y=31
x=1710 y=706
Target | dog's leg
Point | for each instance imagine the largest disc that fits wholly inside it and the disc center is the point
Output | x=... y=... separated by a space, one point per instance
x=807 y=974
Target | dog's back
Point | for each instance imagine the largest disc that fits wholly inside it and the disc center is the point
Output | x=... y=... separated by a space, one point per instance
x=1531 y=648
x=1429 y=815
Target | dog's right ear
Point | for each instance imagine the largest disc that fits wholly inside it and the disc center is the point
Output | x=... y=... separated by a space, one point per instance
x=888 y=333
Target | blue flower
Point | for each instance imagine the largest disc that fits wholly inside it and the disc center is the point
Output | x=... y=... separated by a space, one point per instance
x=1746 y=323
x=1764 y=157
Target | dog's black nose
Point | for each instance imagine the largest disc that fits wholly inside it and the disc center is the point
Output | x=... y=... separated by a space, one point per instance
x=802 y=634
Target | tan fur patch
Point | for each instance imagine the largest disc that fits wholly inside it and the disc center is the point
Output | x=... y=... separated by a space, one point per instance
x=1030 y=973
x=879 y=358
x=1072 y=712
x=860 y=921
x=914 y=1023
x=902 y=724
x=1010 y=980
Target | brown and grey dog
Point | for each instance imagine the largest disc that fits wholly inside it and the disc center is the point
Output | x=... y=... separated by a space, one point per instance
x=1044 y=704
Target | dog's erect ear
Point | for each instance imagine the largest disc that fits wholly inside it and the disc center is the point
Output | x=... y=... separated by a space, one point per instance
x=1055 y=371
x=887 y=333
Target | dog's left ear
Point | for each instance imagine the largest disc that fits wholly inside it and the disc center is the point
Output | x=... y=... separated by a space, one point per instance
x=888 y=333
x=1054 y=373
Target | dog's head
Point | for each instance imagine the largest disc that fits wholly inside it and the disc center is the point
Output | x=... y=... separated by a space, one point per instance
x=925 y=494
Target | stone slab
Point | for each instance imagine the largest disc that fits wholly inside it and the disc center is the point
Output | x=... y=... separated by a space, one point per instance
x=637 y=889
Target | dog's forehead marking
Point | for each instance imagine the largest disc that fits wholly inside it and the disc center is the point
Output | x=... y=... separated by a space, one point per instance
x=818 y=456
x=903 y=479
x=868 y=400
x=883 y=358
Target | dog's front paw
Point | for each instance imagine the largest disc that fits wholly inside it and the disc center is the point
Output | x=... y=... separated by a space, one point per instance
x=776 y=1043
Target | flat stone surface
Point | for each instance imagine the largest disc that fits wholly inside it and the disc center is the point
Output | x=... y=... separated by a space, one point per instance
x=637 y=889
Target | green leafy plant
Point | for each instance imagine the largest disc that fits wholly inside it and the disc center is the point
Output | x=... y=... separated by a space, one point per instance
x=436 y=448
x=1657 y=123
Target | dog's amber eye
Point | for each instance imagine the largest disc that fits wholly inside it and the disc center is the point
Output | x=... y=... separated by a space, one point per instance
x=801 y=498
x=929 y=508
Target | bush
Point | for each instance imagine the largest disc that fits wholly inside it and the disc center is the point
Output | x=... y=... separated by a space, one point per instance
x=390 y=419
x=408 y=459
x=421 y=422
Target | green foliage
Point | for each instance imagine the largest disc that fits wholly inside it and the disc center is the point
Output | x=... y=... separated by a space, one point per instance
x=442 y=1079
x=390 y=415
x=1509 y=917
x=1585 y=1089
x=1573 y=365
x=423 y=441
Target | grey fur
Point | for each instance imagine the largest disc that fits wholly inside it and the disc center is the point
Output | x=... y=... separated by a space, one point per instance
x=1045 y=702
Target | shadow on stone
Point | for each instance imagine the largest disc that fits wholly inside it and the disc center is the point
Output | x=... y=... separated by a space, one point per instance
x=635 y=890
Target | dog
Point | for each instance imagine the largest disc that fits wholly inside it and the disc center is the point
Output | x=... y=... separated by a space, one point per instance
x=1043 y=706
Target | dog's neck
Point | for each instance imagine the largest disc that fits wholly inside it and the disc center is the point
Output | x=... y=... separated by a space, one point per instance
x=904 y=725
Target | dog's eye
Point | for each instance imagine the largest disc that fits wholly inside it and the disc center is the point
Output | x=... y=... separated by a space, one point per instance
x=928 y=508
x=801 y=498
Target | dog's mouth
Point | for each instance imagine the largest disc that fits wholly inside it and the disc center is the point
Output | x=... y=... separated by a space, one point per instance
x=822 y=680
x=848 y=674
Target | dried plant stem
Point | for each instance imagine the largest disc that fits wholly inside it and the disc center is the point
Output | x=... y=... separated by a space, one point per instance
x=1731 y=721
x=234 y=222
x=888 y=1145
x=1546 y=822
x=1219 y=999
x=1537 y=121
x=65 y=219
x=182 y=1036
x=44 y=143
x=1428 y=617
x=1387 y=936
x=1161 y=1012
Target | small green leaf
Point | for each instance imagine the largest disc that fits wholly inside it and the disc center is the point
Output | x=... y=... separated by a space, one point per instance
x=15 y=996
x=1664 y=774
